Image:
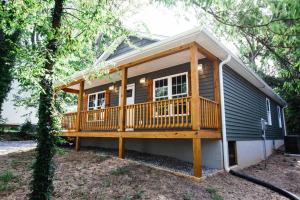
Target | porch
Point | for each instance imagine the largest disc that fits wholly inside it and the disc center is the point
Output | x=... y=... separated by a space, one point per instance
x=185 y=115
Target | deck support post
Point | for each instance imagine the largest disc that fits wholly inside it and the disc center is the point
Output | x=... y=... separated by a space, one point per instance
x=123 y=100
x=217 y=90
x=79 y=109
x=121 y=147
x=79 y=106
x=195 y=101
x=197 y=157
x=77 y=144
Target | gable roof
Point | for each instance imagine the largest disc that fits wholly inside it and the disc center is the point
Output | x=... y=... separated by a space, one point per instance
x=200 y=35
x=124 y=45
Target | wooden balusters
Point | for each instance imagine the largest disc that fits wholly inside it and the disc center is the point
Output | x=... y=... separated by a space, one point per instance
x=209 y=112
x=171 y=113
x=159 y=114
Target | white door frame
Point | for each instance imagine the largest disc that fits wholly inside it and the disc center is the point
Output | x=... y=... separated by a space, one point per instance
x=129 y=86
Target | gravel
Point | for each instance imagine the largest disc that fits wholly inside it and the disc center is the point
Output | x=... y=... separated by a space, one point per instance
x=164 y=162
x=7 y=147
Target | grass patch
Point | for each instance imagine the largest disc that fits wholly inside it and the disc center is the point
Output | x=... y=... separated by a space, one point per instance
x=120 y=171
x=185 y=196
x=5 y=179
x=106 y=183
x=138 y=195
x=15 y=163
x=31 y=165
x=213 y=194
x=61 y=151
x=7 y=176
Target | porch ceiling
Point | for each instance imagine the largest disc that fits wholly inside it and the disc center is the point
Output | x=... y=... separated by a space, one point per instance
x=147 y=67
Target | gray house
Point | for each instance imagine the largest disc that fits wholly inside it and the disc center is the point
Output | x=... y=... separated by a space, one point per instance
x=185 y=96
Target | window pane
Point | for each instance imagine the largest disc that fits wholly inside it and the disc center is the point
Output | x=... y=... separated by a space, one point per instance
x=179 y=86
x=129 y=93
x=161 y=88
x=92 y=102
x=101 y=100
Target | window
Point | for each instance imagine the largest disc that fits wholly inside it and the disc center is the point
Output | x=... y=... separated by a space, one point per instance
x=279 y=117
x=161 y=89
x=170 y=87
x=96 y=101
x=268 y=107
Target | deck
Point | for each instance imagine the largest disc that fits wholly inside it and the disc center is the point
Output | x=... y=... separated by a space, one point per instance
x=174 y=114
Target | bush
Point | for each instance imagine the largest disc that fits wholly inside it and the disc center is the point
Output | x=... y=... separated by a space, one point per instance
x=27 y=129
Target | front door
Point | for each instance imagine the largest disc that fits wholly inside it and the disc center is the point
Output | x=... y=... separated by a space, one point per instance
x=130 y=94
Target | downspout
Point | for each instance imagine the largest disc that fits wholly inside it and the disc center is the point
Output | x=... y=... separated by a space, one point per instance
x=224 y=135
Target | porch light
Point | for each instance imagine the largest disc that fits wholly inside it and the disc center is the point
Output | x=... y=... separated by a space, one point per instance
x=111 y=88
x=200 y=68
x=143 y=81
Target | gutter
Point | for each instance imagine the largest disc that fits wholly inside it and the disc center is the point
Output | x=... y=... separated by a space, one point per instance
x=224 y=135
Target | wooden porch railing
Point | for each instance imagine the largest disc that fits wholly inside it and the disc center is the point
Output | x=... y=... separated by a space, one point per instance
x=100 y=119
x=69 y=121
x=171 y=113
x=209 y=113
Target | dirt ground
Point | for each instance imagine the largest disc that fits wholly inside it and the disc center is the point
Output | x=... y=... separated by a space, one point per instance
x=93 y=175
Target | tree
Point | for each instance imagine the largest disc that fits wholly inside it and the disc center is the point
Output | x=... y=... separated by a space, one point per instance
x=8 y=42
x=267 y=34
x=42 y=185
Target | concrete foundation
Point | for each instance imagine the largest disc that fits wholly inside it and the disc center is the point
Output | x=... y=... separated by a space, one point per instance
x=252 y=152
x=176 y=148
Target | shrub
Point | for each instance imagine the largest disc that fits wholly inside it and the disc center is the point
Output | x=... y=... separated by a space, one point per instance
x=27 y=129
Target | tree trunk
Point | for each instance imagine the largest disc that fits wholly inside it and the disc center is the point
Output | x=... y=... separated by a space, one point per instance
x=42 y=185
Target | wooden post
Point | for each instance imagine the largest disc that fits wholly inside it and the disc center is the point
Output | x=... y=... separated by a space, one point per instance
x=123 y=100
x=216 y=81
x=217 y=90
x=77 y=145
x=79 y=106
x=197 y=159
x=121 y=147
x=195 y=101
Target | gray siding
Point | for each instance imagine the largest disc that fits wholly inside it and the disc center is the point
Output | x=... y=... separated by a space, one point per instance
x=245 y=105
x=206 y=88
x=125 y=48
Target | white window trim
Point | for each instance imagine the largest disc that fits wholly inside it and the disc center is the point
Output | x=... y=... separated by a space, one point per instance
x=95 y=108
x=269 y=112
x=95 y=93
x=170 y=84
x=170 y=92
x=279 y=115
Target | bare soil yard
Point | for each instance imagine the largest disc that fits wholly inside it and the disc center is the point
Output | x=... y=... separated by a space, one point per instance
x=95 y=175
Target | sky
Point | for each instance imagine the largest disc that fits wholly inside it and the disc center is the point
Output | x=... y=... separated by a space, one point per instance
x=164 y=21
x=161 y=20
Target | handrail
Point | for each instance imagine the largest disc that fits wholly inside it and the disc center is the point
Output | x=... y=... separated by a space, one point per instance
x=169 y=113
x=206 y=99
